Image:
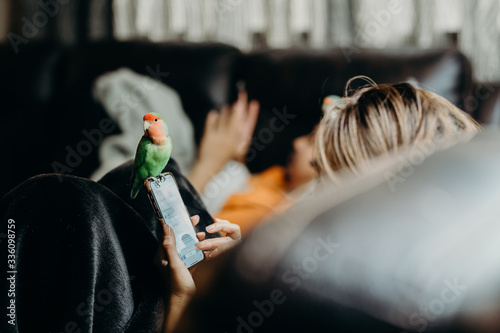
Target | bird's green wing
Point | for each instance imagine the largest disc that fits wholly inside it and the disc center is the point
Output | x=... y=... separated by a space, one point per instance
x=137 y=177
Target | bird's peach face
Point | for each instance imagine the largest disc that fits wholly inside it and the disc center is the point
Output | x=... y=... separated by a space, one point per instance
x=154 y=126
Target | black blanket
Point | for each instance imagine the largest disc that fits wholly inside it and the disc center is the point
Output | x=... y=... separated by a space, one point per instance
x=82 y=255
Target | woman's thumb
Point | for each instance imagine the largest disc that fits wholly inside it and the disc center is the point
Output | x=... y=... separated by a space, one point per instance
x=170 y=246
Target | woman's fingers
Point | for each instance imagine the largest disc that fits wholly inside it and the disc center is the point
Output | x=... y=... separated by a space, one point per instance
x=239 y=110
x=225 y=117
x=252 y=115
x=170 y=248
x=195 y=219
x=232 y=117
x=213 y=243
x=201 y=236
x=219 y=246
x=215 y=252
x=180 y=279
x=215 y=246
x=242 y=98
x=232 y=230
x=217 y=220
x=211 y=121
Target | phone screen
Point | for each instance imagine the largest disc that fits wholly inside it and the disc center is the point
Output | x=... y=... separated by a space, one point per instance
x=174 y=213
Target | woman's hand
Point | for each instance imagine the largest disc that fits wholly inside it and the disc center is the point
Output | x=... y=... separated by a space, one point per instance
x=227 y=136
x=228 y=133
x=178 y=278
x=180 y=284
x=246 y=126
x=215 y=246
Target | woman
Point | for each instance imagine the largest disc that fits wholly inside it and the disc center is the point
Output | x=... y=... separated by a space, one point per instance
x=375 y=122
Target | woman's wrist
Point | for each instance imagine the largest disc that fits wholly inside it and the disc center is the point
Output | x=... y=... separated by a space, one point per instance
x=202 y=172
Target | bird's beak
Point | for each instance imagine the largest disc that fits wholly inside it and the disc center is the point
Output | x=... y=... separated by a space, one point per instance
x=146 y=125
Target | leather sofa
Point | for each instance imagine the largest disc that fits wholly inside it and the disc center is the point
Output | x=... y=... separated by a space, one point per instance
x=367 y=257
x=47 y=92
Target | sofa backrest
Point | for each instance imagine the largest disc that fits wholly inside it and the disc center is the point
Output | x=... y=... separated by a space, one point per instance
x=52 y=86
x=202 y=74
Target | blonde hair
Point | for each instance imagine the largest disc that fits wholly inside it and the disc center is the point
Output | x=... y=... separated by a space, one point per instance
x=380 y=120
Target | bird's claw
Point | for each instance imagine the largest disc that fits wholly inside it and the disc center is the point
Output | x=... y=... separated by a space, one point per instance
x=159 y=179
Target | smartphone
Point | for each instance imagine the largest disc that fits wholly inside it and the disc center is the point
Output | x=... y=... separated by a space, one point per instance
x=163 y=192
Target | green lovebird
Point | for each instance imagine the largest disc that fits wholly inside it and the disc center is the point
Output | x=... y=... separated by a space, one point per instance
x=153 y=152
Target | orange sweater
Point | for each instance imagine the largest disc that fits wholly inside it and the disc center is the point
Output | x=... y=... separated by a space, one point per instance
x=265 y=195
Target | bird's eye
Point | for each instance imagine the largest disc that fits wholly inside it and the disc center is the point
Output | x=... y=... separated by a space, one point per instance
x=156 y=119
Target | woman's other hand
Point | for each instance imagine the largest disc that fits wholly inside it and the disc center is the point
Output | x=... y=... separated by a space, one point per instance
x=215 y=246
x=227 y=136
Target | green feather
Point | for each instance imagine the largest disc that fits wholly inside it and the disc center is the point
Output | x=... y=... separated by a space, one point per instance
x=150 y=160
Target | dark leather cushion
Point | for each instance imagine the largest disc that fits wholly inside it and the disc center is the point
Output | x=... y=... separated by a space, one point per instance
x=49 y=97
x=202 y=74
x=29 y=116
x=29 y=78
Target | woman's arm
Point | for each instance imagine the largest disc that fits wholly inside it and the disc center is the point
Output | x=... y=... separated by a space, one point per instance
x=180 y=285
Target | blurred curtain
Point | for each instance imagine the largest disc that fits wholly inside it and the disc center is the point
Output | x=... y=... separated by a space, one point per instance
x=480 y=38
x=62 y=21
x=472 y=25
